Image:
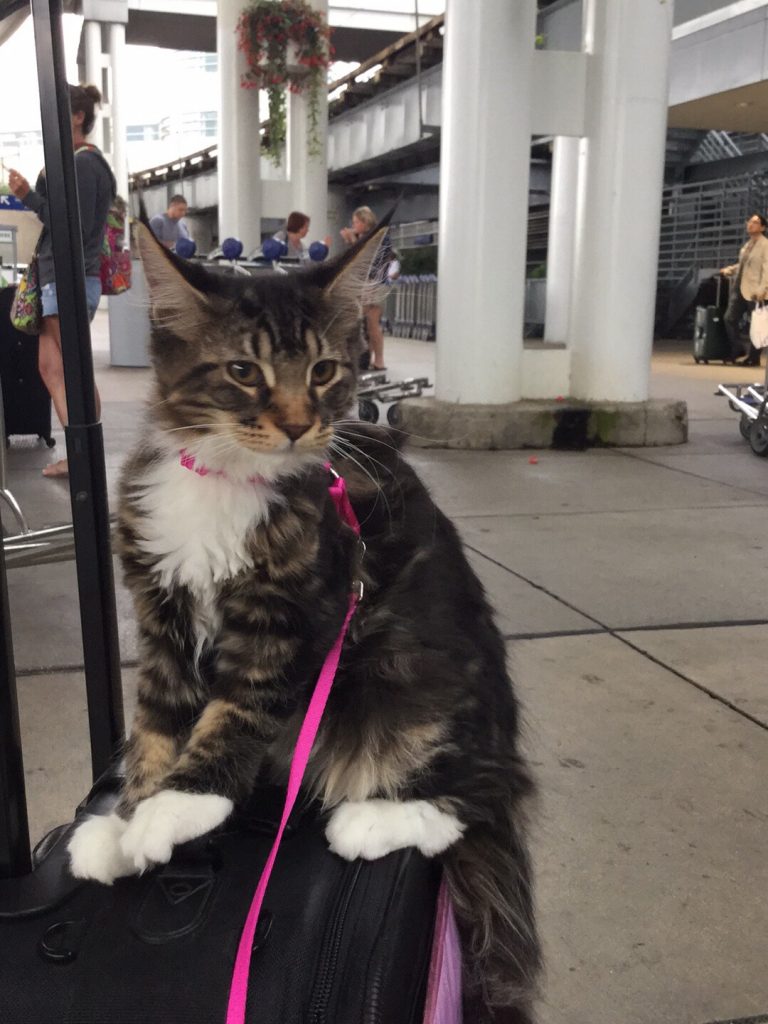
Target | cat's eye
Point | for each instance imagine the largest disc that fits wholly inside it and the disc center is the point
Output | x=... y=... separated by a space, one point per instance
x=322 y=372
x=248 y=374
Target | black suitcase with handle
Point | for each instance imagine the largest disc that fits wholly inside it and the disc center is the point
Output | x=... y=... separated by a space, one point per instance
x=710 y=339
x=338 y=942
x=26 y=402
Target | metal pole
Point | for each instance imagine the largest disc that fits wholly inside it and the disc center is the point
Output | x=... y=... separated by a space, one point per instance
x=85 y=443
x=14 y=829
x=418 y=68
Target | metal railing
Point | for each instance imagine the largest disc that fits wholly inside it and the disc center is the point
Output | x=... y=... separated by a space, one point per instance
x=413 y=234
x=702 y=224
x=718 y=145
x=410 y=308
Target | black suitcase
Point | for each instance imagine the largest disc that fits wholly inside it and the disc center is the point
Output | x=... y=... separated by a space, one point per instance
x=26 y=402
x=710 y=340
x=337 y=942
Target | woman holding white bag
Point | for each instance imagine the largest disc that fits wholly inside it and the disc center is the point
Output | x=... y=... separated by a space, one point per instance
x=750 y=286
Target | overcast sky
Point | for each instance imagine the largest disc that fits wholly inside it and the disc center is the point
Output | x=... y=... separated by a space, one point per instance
x=19 y=100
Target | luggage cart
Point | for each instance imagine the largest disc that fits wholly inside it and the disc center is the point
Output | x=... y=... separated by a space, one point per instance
x=377 y=395
x=751 y=402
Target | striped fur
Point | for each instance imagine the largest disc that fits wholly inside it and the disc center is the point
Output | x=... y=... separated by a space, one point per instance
x=240 y=579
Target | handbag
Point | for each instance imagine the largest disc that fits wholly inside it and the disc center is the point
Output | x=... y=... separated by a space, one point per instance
x=27 y=309
x=758 y=326
x=115 y=260
x=115 y=268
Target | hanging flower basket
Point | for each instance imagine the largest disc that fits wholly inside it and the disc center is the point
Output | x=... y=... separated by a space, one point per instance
x=287 y=46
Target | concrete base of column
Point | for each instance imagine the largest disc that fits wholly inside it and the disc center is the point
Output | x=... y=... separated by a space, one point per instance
x=567 y=424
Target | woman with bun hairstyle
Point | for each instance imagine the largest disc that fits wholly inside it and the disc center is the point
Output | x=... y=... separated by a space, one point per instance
x=96 y=191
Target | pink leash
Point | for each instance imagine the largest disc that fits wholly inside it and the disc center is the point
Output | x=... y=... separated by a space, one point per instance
x=238 y=992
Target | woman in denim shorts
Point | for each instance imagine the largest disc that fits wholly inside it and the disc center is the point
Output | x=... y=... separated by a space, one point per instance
x=96 y=192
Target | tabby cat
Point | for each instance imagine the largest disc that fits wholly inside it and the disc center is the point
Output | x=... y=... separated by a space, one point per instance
x=240 y=571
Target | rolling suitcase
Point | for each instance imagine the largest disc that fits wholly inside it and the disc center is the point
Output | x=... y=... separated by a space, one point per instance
x=336 y=941
x=710 y=340
x=26 y=400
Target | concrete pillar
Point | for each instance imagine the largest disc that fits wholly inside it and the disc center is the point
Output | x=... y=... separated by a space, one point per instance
x=484 y=168
x=308 y=175
x=93 y=73
x=239 y=160
x=619 y=202
x=117 y=86
x=560 y=242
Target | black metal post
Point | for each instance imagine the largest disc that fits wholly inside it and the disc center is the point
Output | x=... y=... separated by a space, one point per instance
x=85 y=443
x=14 y=829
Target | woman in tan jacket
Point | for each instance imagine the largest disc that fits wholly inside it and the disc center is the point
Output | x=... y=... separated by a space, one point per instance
x=750 y=285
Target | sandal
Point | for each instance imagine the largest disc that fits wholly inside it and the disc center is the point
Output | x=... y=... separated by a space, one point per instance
x=376 y=369
x=57 y=469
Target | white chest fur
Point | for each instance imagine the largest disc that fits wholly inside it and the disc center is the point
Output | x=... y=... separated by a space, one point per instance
x=197 y=526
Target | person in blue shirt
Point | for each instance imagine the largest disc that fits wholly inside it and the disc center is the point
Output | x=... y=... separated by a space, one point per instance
x=170 y=226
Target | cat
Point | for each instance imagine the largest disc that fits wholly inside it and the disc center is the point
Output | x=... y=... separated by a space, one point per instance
x=240 y=571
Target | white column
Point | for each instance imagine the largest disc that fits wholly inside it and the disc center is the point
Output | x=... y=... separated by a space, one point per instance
x=619 y=204
x=562 y=229
x=117 y=88
x=239 y=160
x=93 y=75
x=484 y=169
x=308 y=175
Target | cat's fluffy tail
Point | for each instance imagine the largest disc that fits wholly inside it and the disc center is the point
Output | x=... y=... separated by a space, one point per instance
x=489 y=879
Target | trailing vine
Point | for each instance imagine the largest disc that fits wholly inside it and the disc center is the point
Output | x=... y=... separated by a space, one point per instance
x=265 y=30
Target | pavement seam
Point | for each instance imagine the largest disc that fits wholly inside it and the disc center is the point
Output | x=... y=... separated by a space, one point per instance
x=760 y=1019
x=659 y=627
x=572 y=513
x=53 y=670
x=687 y=679
x=686 y=472
x=623 y=640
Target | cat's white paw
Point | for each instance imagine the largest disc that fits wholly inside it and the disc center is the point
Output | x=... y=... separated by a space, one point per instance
x=374 y=828
x=168 y=818
x=94 y=850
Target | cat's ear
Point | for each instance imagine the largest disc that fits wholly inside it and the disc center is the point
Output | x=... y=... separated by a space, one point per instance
x=175 y=303
x=351 y=274
x=346 y=280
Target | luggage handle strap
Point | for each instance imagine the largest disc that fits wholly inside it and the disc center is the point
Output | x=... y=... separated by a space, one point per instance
x=238 y=991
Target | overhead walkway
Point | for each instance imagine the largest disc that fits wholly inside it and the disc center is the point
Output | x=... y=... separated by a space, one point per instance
x=373 y=120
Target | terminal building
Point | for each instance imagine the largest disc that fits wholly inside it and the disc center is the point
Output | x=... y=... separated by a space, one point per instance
x=525 y=162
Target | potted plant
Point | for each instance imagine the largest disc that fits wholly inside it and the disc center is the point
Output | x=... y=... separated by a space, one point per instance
x=286 y=45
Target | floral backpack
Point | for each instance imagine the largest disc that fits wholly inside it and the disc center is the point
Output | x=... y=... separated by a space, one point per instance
x=115 y=266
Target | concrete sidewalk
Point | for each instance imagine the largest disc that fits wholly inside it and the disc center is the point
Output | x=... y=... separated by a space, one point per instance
x=630 y=585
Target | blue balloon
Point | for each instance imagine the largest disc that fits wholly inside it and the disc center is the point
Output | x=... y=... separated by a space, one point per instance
x=232 y=248
x=318 y=251
x=186 y=248
x=273 y=249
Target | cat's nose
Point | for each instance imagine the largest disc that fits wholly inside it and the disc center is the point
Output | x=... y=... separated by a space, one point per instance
x=295 y=430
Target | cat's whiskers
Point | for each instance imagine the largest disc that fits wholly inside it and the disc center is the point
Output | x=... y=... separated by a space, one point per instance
x=189 y=426
x=342 y=450
x=409 y=433
x=350 y=433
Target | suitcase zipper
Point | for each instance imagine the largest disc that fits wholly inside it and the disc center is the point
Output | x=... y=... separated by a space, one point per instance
x=329 y=954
